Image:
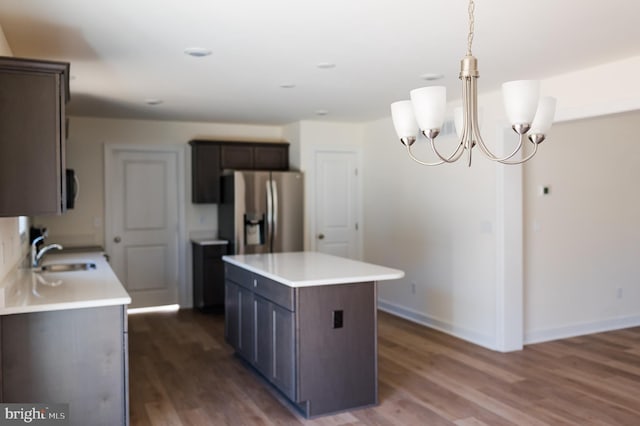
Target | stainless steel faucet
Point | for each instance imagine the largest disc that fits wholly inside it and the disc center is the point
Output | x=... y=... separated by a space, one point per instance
x=36 y=256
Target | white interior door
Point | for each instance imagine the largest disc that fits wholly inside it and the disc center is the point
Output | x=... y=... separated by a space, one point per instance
x=142 y=227
x=336 y=201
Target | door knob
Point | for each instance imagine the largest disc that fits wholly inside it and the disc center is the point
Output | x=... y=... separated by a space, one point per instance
x=321 y=236
x=117 y=240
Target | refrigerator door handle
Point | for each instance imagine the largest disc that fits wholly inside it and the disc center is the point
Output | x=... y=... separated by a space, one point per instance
x=269 y=216
x=274 y=218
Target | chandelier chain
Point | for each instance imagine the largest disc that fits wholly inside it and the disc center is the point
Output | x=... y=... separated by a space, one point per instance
x=472 y=7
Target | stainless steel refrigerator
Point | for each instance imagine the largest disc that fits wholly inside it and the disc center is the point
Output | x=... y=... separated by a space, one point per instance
x=261 y=212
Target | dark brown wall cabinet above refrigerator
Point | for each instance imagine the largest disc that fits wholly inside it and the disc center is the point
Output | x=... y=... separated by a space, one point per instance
x=33 y=95
x=210 y=158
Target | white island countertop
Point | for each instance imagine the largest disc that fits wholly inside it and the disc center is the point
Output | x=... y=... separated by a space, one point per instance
x=26 y=291
x=305 y=269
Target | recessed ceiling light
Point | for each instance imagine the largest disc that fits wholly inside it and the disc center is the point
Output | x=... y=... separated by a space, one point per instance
x=322 y=112
x=287 y=85
x=431 y=76
x=153 y=101
x=197 y=52
x=326 y=65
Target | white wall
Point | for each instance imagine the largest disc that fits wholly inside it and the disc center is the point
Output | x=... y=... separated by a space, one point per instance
x=582 y=241
x=11 y=251
x=291 y=134
x=595 y=91
x=452 y=230
x=5 y=49
x=437 y=224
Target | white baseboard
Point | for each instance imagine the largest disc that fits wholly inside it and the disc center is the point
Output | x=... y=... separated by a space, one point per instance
x=538 y=336
x=531 y=337
x=420 y=318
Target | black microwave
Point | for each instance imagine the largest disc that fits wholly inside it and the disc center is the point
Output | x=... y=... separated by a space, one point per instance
x=73 y=188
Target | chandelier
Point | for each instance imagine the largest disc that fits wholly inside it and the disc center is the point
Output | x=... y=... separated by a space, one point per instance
x=530 y=115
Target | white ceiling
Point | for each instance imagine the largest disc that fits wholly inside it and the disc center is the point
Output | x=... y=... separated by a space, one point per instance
x=123 y=52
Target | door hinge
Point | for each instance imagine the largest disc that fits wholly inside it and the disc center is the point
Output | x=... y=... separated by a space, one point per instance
x=357 y=226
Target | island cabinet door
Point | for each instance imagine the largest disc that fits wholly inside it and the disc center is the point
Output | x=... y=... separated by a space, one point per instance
x=239 y=319
x=283 y=362
x=231 y=314
x=274 y=346
x=246 y=323
x=263 y=335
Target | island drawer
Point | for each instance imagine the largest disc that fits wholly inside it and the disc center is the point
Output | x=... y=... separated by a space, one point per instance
x=238 y=275
x=277 y=293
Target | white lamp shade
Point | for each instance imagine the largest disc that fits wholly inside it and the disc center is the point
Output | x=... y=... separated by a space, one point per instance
x=544 y=116
x=429 y=104
x=458 y=120
x=521 y=100
x=404 y=120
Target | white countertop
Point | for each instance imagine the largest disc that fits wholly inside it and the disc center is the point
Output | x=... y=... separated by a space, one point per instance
x=204 y=241
x=26 y=291
x=304 y=269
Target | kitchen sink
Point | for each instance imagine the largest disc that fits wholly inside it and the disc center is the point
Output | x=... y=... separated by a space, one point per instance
x=66 y=267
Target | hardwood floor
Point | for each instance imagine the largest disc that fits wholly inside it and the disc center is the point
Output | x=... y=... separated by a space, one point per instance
x=183 y=373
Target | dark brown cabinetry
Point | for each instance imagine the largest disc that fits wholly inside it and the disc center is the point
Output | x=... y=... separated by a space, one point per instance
x=282 y=369
x=315 y=344
x=259 y=324
x=239 y=319
x=33 y=95
x=76 y=356
x=259 y=156
x=236 y=156
x=210 y=158
x=208 y=276
x=205 y=172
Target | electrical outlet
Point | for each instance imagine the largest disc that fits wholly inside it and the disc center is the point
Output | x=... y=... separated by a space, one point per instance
x=337 y=319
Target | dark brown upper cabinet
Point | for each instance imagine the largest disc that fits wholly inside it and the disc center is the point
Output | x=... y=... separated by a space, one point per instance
x=205 y=172
x=236 y=156
x=210 y=158
x=33 y=96
x=270 y=157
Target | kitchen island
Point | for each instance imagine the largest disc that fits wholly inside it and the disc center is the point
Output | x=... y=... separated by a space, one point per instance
x=307 y=322
x=63 y=339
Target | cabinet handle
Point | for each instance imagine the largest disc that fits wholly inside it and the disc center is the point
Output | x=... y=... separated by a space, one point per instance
x=255 y=283
x=274 y=351
x=117 y=240
x=321 y=236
